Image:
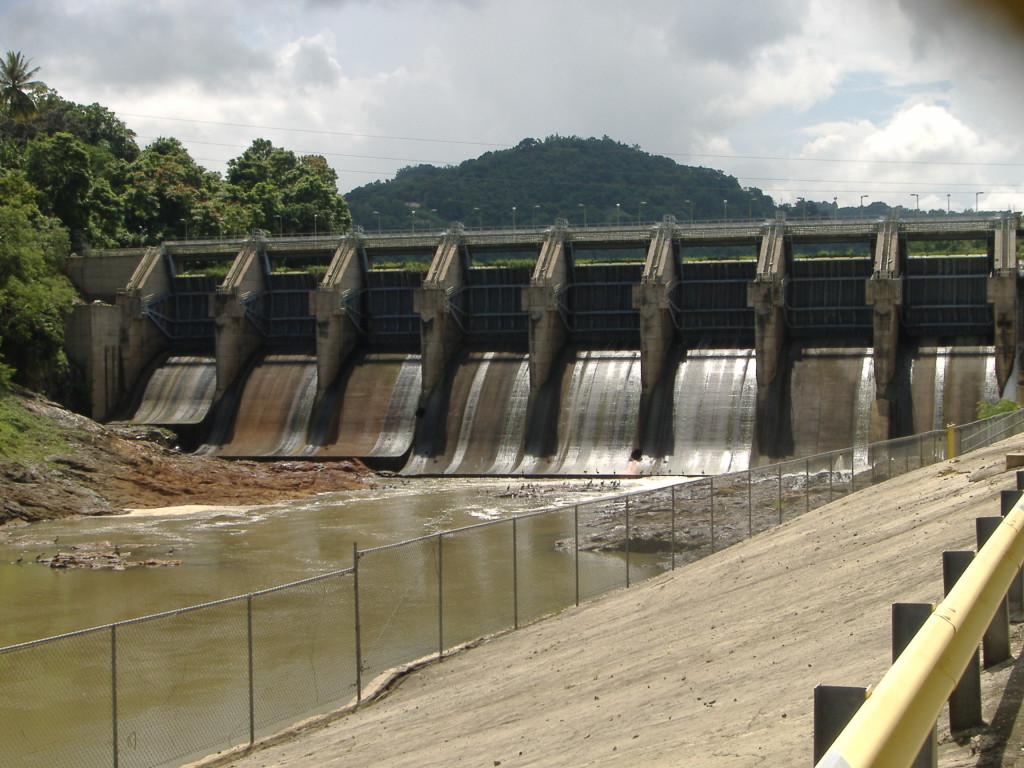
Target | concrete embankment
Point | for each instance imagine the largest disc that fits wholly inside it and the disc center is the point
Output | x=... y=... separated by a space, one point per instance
x=711 y=665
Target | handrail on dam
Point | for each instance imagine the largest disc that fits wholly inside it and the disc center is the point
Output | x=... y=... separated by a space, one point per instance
x=894 y=721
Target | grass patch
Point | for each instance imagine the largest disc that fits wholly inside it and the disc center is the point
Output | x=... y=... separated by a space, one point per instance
x=25 y=436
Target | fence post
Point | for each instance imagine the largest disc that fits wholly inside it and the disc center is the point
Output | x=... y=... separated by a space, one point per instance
x=750 y=503
x=965 y=701
x=515 y=572
x=113 y=692
x=576 y=538
x=995 y=643
x=807 y=486
x=252 y=690
x=780 y=492
x=627 y=541
x=440 y=598
x=358 y=629
x=711 y=499
x=834 y=707
x=672 y=546
x=907 y=619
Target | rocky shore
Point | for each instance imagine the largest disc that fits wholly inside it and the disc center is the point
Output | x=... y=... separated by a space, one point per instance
x=109 y=470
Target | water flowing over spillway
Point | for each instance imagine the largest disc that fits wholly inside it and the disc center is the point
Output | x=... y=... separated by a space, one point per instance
x=274 y=409
x=483 y=427
x=180 y=391
x=705 y=416
x=714 y=403
x=947 y=382
x=372 y=411
x=598 y=410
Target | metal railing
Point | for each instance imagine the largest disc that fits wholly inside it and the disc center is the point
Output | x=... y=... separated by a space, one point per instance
x=893 y=723
x=170 y=688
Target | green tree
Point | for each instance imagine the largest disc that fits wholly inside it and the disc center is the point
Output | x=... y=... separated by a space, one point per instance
x=289 y=193
x=60 y=168
x=34 y=296
x=165 y=186
x=16 y=83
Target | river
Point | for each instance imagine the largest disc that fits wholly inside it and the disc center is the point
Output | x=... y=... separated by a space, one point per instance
x=226 y=551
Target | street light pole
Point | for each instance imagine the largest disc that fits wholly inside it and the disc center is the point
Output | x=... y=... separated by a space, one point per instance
x=976 y=196
x=315 y=217
x=947 y=202
x=690 y=203
x=618 y=210
x=917 y=200
x=725 y=210
x=533 y=216
x=584 y=207
x=513 y=218
x=640 y=212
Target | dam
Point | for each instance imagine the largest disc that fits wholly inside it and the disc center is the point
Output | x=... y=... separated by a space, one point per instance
x=668 y=348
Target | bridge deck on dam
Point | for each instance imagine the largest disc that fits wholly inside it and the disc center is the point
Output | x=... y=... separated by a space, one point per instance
x=668 y=348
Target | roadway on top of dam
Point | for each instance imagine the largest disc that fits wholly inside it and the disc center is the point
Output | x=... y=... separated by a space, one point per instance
x=951 y=226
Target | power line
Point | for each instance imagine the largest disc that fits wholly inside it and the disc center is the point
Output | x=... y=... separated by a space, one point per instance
x=772 y=158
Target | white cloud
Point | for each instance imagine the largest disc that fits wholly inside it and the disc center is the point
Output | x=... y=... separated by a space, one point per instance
x=765 y=91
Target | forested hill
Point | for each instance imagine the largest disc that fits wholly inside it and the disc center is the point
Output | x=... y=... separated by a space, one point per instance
x=601 y=180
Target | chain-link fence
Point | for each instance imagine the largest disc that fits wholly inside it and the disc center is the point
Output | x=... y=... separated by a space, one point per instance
x=171 y=688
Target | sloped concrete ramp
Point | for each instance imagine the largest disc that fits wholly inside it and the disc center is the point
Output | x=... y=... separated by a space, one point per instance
x=713 y=665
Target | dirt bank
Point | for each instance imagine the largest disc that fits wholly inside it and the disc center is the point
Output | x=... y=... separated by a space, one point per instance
x=108 y=470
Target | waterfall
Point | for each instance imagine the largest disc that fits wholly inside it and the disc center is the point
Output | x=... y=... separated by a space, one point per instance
x=714 y=410
x=180 y=391
x=513 y=427
x=469 y=412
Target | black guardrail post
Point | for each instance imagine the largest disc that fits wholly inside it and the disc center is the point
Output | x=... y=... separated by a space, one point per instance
x=965 y=701
x=907 y=619
x=995 y=645
x=834 y=707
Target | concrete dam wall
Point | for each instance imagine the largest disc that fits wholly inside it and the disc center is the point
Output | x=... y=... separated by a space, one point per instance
x=616 y=351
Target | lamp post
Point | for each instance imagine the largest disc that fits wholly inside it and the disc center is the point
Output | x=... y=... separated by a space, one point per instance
x=584 y=207
x=640 y=212
x=803 y=206
x=917 y=201
x=479 y=219
x=280 y=225
x=976 y=196
x=725 y=210
x=947 y=202
x=690 y=203
x=412 y=215
x=618 y=210
x=835 y=209
x=513 y=218
x=533 y=216
x=185 y=222
x=315 y=217
x=377 y=214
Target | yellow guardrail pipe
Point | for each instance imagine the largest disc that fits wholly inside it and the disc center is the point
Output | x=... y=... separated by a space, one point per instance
x=892 y=724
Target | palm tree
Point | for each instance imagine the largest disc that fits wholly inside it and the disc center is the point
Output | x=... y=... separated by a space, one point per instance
x=15 y=82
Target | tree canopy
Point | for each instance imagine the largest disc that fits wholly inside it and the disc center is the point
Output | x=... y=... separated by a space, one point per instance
x=72 y=177
x=16 y=85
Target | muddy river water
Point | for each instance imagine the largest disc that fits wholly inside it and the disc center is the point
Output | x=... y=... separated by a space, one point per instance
x=226 y=551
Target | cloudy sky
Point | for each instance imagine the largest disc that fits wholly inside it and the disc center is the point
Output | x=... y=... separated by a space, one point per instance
x=802 y=98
